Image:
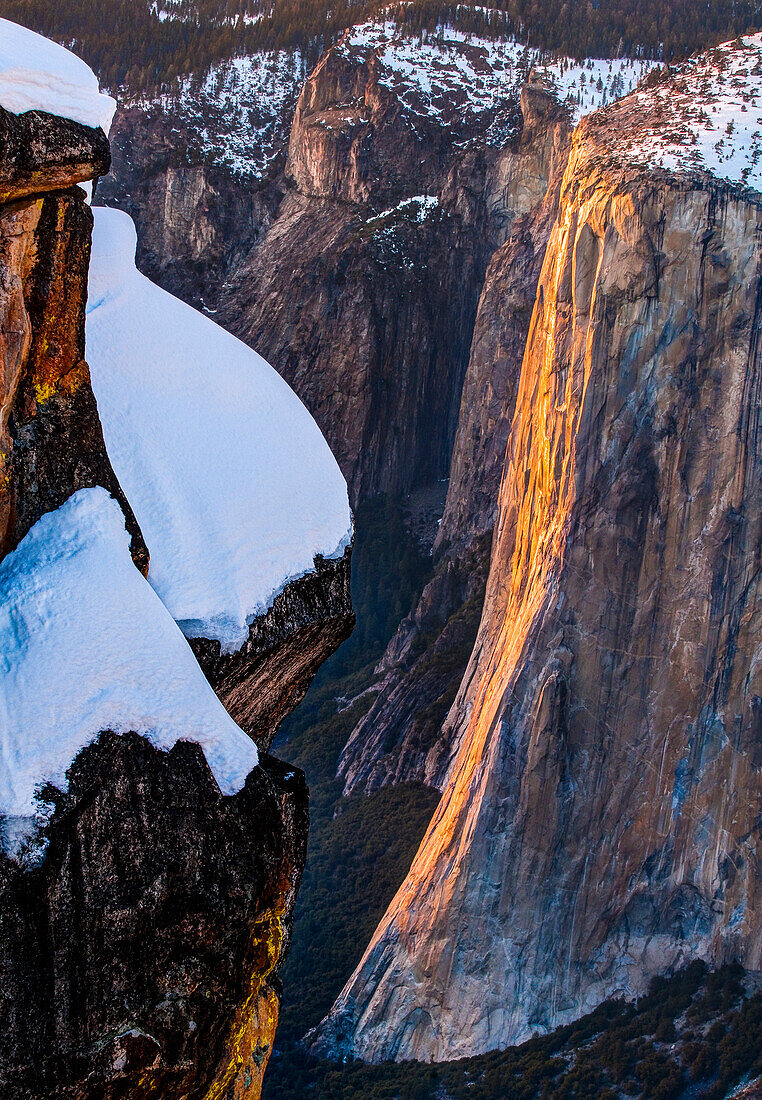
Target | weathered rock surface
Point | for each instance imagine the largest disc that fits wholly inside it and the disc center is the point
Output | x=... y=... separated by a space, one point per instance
x=410 y=732
x=40 y=152
x=502 y=325
x=263 y=681
x=600 y=823
x=139 y=958
x=51 y=443
x=354 y=139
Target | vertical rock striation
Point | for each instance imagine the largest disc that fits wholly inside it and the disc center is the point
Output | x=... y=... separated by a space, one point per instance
x=410 y=733
x=600 y=823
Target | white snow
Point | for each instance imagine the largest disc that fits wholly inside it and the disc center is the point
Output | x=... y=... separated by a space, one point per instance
x=707 y=115
x=239 y=115
x=458 y=78
x=417 y=208
x=86 y=646
x=231 y=481
x=389 y=229
x=38 y=75
x=591 y=84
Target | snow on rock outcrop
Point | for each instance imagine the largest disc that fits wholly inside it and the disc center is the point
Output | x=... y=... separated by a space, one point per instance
x=238 y=116
x=87 y=646
x=704 y=115
x=230 y=479
x=38 y=75
x=459 y=78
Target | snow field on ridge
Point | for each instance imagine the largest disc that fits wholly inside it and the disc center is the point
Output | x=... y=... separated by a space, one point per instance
x=706 y=115
x=451 y=72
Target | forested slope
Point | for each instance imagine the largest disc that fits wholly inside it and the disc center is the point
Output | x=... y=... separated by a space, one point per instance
x=147 y=43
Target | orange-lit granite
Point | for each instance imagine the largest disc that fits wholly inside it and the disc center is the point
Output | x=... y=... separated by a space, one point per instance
x=600 y=823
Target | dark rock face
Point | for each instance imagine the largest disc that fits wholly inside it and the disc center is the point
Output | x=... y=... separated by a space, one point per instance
x=369 y=319
x=406 y=735
x=40 y=152
x=196 y=222
x=269 y=675
x=139 y=958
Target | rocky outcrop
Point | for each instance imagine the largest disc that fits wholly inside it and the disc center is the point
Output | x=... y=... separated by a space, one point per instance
x=143 y=925
x=263 y=681
x=51 y=443
x=600 y=822
x=356 y=138
x=139 y=958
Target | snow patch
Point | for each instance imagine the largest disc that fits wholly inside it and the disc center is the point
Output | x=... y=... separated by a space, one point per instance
x=417 y=208
x=38 y=75
x=232 y=483
x=707 y=115
x=239 y=115
x=460 y=79
x=86 y=646
x=591 y=84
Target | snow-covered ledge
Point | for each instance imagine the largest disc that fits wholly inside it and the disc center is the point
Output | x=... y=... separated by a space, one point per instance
x=233 y=485
x=87 y=646
x=38 y=75
x=240 y=500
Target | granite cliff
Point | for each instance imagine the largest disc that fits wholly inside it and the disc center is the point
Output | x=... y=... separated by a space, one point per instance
x=600 y=821
x=568 y=328
x=408 y=732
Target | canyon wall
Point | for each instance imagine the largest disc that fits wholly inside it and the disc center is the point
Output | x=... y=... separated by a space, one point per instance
x=600 y=823
x=196 y=220
x=410 y=732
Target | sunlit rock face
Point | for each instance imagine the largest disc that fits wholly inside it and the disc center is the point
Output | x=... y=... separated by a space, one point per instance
x=600 y=822
x=412 y=729
x=51 y=442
